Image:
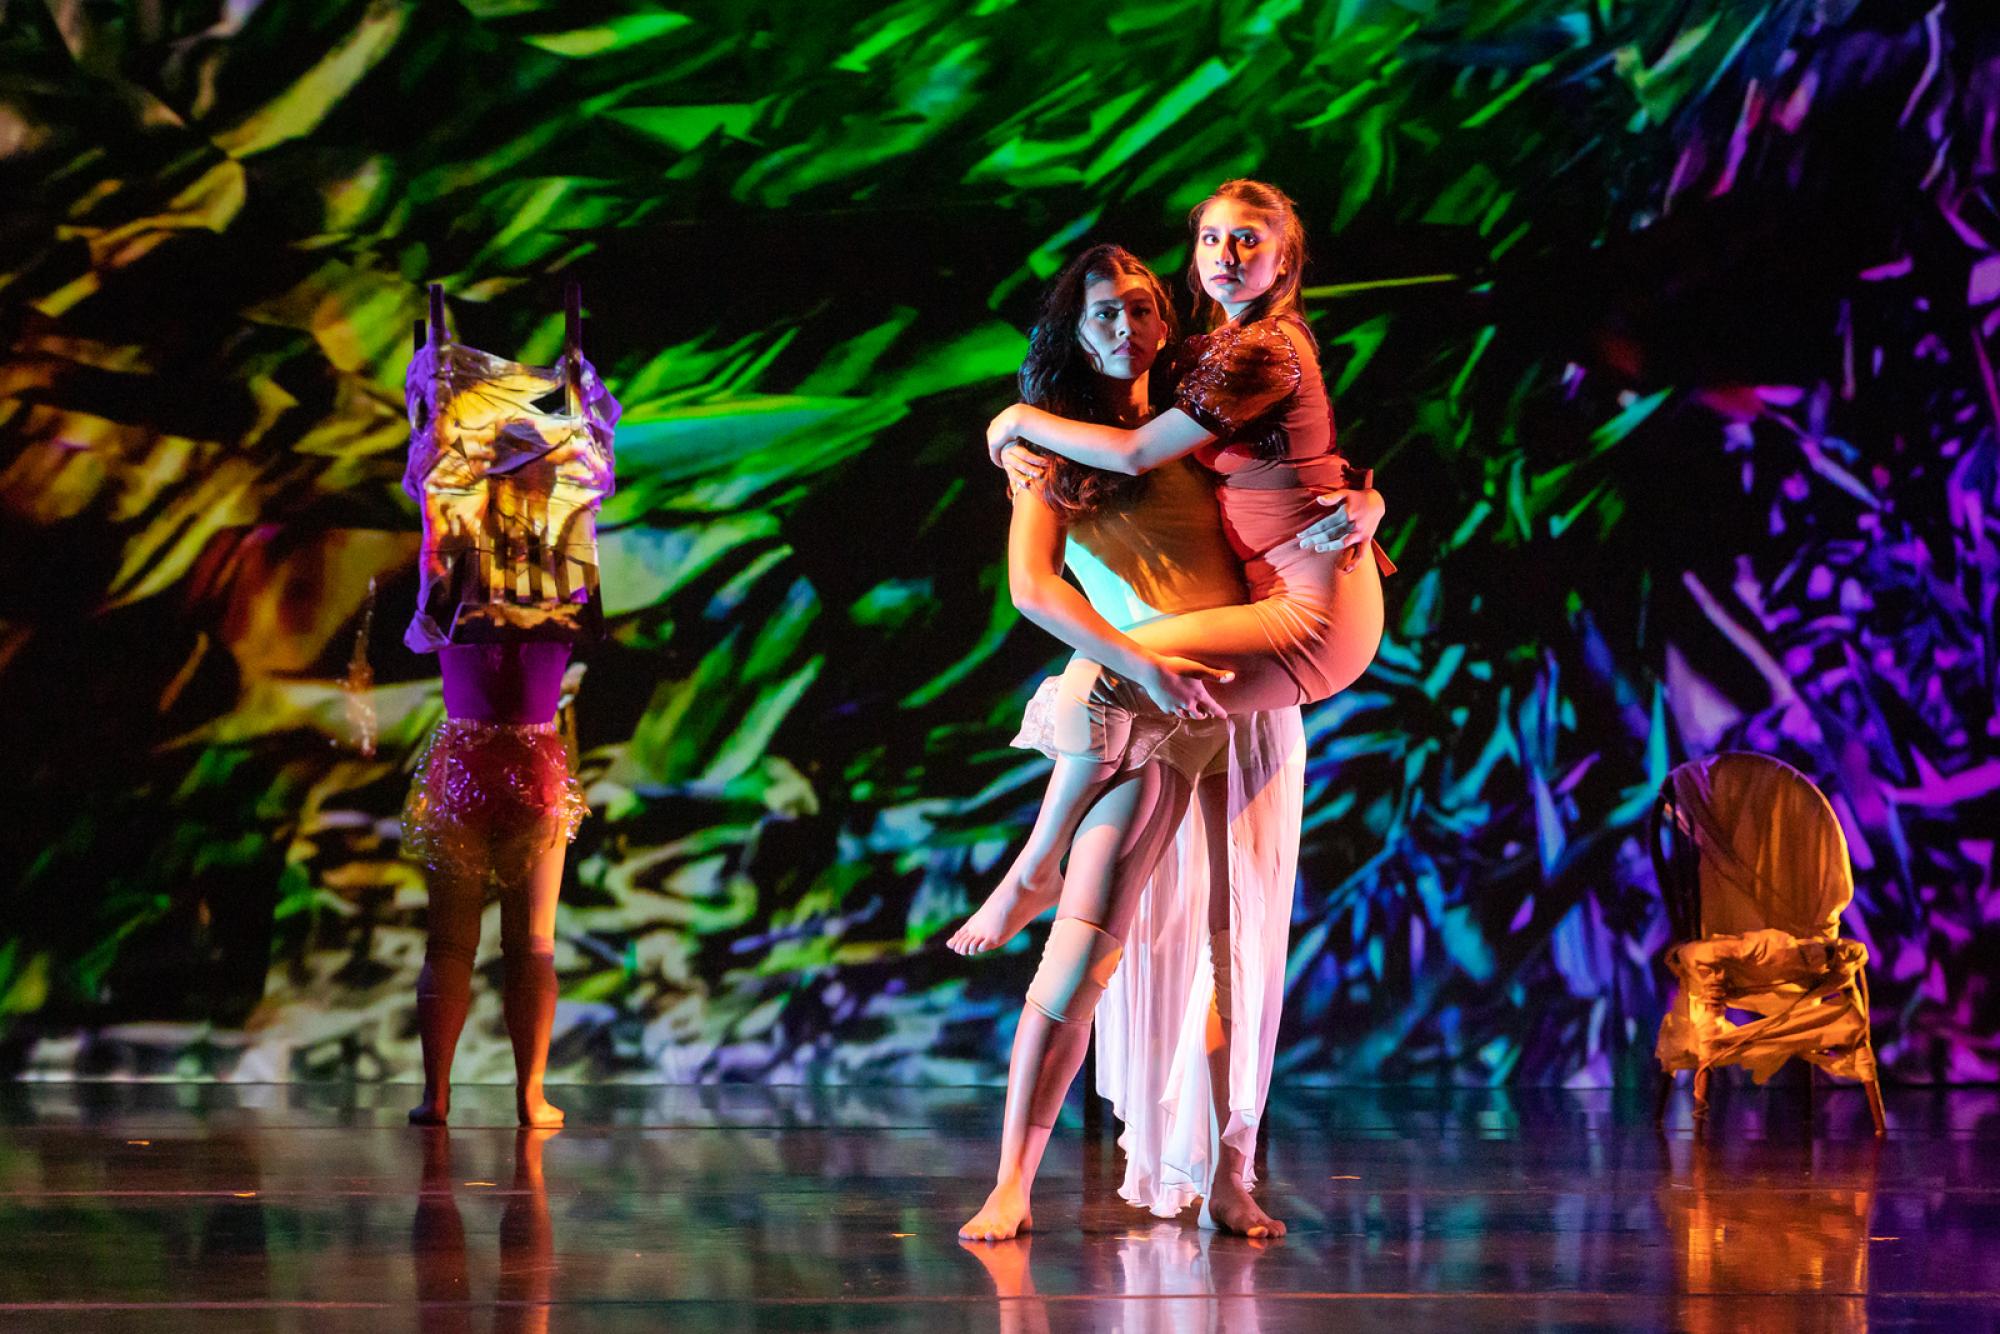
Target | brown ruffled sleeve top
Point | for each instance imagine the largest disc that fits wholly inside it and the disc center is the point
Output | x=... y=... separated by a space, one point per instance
x=1257 y=387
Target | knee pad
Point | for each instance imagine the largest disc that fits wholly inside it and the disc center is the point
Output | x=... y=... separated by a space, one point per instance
x=532 y=951
x=446 y=952
x=1077 y=965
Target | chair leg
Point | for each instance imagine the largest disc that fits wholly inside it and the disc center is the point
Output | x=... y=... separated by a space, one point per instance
x=1875 y=1108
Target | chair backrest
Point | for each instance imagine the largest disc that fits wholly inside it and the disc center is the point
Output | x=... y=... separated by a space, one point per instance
x=1742 y=842
x=1676 y=865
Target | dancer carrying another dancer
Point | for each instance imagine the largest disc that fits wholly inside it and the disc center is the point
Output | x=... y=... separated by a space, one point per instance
x=1249 y=407
x=510 y=493
x=1143 y=547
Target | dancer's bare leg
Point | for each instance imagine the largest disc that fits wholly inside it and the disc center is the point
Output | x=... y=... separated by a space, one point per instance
x=1275 y=661
x=1251 y=645
x=1228 y=1206
x=1092 y=738
x=1090 y=734
x=1114 y=852
x=444 y=987
x=528 y=996
x=1034 y=882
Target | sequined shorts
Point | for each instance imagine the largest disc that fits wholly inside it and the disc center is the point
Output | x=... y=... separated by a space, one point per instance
x=489 y=796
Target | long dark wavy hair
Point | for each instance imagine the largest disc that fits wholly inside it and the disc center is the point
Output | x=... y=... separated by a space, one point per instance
x=1283 y=298
x=1058 y=376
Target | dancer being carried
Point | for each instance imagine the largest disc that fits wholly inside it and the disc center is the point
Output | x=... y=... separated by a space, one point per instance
x=1141 y=548
x=1250 y=407
x=510 y=494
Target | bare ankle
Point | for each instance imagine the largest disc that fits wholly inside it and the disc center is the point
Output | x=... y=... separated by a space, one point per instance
x=1042 y=877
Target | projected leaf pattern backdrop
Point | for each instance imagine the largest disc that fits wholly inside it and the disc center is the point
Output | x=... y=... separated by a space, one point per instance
x=1667 y=327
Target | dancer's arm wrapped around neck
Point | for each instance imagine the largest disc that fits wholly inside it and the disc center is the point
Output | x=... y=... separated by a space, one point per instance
x=1114 y=449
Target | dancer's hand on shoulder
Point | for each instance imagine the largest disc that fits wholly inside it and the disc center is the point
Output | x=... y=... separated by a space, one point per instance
x=1179 y=686
x=1026 y=469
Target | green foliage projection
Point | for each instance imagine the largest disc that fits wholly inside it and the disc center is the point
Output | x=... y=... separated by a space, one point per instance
x=1665 y=326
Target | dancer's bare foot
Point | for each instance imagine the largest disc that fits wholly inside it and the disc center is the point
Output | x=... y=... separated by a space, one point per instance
x=1229 y=1208
x=433 y=1110
x=536 y=1111
x=1022 y=895
x=1004 y=1215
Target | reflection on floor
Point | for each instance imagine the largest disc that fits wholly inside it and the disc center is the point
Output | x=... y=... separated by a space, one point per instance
x=163 y=1207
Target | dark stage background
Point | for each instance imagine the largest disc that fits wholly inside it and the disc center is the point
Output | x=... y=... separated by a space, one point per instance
x=1667 y=326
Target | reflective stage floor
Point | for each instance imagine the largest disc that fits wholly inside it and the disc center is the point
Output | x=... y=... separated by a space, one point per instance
x=312 y=1207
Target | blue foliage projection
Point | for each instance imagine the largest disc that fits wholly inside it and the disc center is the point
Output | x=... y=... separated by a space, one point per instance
x=1667 y=328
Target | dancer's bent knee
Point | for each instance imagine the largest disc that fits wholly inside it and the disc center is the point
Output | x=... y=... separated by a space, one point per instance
x=1077 y=964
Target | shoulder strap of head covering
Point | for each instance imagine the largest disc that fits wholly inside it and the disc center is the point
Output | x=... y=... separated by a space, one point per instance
x=437 y=335
x=573 y=346
x=422 y=331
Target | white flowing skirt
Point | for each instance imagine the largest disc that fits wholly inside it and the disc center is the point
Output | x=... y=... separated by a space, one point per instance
x=1152 y=1024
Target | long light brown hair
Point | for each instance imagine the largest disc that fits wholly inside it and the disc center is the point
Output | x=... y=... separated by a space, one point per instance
x=1283 y=297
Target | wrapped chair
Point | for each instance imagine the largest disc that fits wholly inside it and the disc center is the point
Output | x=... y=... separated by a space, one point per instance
x=1753 y=866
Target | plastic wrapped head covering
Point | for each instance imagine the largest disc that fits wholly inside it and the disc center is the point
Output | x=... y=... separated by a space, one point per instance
x=510 y=488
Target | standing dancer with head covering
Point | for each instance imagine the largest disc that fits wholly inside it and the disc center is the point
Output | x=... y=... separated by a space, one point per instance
x=510 y=493
x=1143 y=547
